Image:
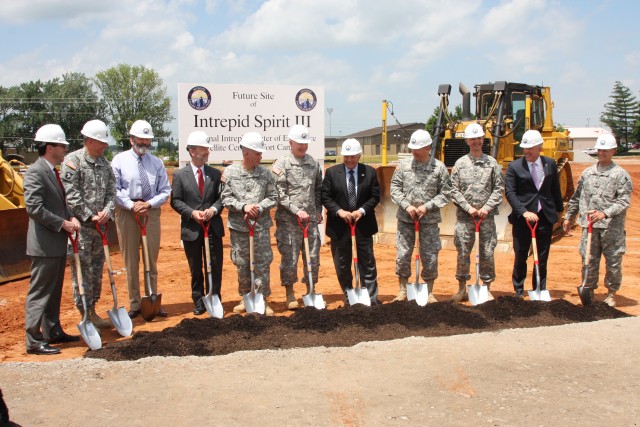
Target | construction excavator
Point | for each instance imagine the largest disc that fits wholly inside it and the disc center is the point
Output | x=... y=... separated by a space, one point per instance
x=505 y=111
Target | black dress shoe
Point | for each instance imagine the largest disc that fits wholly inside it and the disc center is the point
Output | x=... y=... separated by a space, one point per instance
x=519 y=295
x=63 y=338
x=133 y=313
x=199 y=310
x=162 y=313
x=44 y=349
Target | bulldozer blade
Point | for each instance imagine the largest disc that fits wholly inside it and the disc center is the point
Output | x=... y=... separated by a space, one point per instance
x=418 y=292
x=478 y=294
x=254 y=303
x=313 y=300
x=359 y=296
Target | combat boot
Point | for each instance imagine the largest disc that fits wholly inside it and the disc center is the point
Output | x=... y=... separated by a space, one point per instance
x=240 y=308
x=268 y=311
x=402 y=291
x=489 y=296
x=609 y=300
x=462 y=292
x=292 y=303
x=97 y=321
x=430 y=288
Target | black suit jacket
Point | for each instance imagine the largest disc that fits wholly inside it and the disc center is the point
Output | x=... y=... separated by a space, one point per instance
x=334 y=198
x=523 y=195
x=185 y=198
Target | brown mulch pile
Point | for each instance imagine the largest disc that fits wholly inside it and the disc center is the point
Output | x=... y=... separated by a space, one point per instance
x=347 y=326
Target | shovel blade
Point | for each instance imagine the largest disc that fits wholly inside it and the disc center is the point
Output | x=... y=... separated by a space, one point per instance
x=90 y=335
x=213 y=305
x=150 y=306
x=121 y=321
x=539 y=295
x=418 y=292
x=359 y=296
x=585 y=295
x=314 y=300
x=254 y=303
x=478 y=294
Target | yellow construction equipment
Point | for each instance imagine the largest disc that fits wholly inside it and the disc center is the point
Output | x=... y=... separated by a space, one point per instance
x=505 y=111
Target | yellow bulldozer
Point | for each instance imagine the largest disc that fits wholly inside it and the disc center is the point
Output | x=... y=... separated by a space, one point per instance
x=505 y=111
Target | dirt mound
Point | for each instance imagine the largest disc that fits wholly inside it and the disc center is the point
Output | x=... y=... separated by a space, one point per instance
x=347 y=326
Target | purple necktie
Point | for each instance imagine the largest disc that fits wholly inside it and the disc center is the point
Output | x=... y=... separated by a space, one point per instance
x=536 y=181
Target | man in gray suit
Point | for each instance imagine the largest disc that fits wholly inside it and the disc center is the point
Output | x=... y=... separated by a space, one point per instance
x=195 y=195
x=49 y=222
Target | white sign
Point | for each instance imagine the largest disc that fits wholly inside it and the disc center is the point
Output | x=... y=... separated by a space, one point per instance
x=226 y=112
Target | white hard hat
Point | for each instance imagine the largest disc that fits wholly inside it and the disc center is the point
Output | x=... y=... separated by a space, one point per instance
x=531 y=138
x=606 y=141
x=198 y=138
x=51 y=134
x=473 y=130
x=141 y=129
x=350 y=147
x=96 y=129
x=419 y=139
x=253 y=141
x=299 y=134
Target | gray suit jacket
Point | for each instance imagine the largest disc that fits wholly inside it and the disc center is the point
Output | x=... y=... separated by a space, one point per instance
x=185 y=198
x=47 y=211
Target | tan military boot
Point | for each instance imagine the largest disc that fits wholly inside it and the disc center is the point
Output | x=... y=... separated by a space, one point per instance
x=268 y=311
x=461 y=295
x=609 y=300
x=489 y=296
x=292 y=303
x=402 y=291
x=430 y=288
x=97 y=321
x=240 y=308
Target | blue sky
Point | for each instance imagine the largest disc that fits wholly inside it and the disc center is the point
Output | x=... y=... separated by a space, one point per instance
x=361 y=51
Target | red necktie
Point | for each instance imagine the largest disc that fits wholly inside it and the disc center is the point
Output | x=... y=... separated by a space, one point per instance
x=200 y=182
x=64 y=194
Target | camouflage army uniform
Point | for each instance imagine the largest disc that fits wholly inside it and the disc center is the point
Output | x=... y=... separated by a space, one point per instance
x=608 y=192
x=299 y=183
x=476 y=183
x=91 y=188
x=250 y=187
x=419 y=184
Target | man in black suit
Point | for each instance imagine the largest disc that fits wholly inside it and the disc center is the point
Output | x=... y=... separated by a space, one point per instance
x=360 y=182
x=49 y=222
x=195 y=195
x=533 y=191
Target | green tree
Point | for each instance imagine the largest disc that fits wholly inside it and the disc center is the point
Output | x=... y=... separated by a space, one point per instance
x=132 y=93
x=621 y=113
x=455 y=116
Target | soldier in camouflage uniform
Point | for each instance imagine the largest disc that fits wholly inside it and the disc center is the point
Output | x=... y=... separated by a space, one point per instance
x=604 y=195
x=477 y=190
x=250 y=192
x=298 y=180
x=420 y=187
x=90 y=186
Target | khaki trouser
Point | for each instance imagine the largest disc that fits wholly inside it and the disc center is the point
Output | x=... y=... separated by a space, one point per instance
x=130 y=238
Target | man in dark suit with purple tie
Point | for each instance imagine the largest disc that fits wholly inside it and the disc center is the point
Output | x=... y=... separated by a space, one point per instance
x=533 y=191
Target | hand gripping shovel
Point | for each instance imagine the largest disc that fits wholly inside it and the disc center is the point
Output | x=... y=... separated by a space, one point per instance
x=357 y=294
x=418 y=292
x=478 y=293
x=211 y=302
x=585 y=292
x=537 y=295
x=151 y=303
x=253 y=301
x=311 y=299
x=118 y=315
x=87 y=329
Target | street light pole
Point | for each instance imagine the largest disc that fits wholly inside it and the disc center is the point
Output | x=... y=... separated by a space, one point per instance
x=330 y=110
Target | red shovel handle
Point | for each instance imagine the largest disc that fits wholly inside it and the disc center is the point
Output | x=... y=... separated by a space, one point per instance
x=353 y=229
x=251 y=223
x=477 y=223
x=589 y=224
x=304 y=225
x=142 y=222
x=103 y=234
x=532 y=228
x=74 y=240
x=205 y=227
x=416 y=225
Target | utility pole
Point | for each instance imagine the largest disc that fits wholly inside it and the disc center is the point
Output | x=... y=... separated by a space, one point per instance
x=330 y=110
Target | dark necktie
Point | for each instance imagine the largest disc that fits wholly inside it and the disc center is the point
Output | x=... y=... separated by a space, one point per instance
x=200 y=182
x=353 y=199
x=64 y=193
x=144 y=181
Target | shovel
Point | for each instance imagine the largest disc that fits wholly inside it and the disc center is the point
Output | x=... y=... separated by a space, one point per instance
x=211 y=302
x=357 y=294
x=151 y=303
x=584 y=291
x=118 y=316
x=536 y=295
x=311 y=299
x=87 y=329
x=253 y=301
x=418 y=292
x=477 y=293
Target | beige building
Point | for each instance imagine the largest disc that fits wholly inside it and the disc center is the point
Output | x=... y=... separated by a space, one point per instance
x=371 y=139
x=584 y=138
